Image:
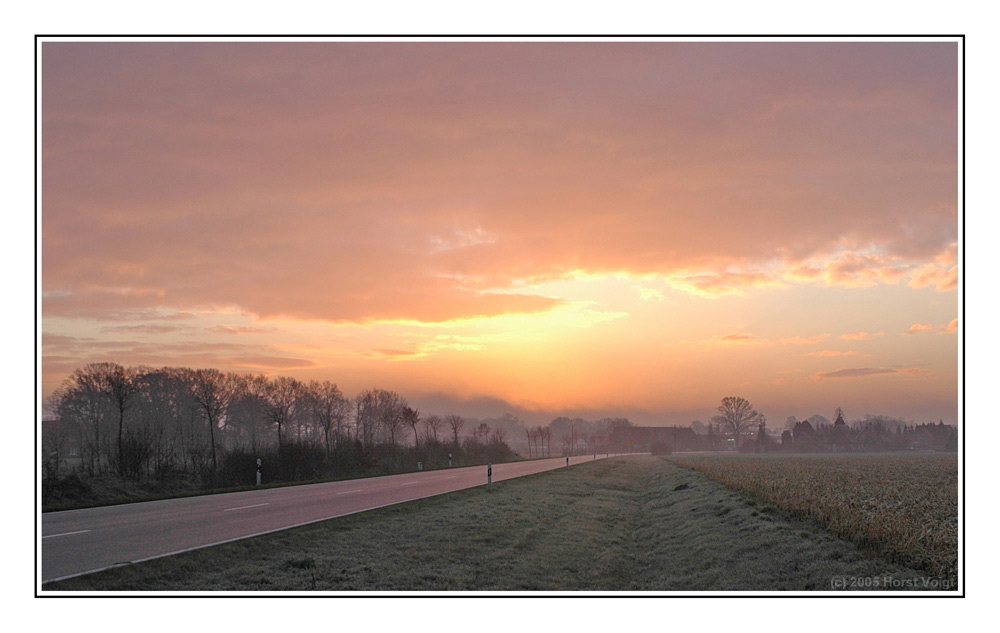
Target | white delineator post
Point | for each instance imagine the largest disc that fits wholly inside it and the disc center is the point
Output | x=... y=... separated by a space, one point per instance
x=489 y=475
x=258 y=471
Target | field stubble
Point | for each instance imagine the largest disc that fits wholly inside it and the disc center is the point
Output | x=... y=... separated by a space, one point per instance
x=904 y=507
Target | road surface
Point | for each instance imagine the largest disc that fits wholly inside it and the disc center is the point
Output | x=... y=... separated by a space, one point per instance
x=77 y=542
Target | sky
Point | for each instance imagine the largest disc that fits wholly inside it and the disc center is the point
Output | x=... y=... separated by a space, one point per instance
x=541 y=228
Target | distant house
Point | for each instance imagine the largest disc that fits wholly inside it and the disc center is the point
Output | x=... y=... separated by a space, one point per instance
x=678 y=438
x=803 y=432
x=932 y=437
x=840 y=438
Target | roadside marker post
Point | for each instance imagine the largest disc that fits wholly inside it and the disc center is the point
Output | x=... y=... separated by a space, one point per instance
x=258 y=471
x=449 y=460
x=567 y=461
x=489 y=475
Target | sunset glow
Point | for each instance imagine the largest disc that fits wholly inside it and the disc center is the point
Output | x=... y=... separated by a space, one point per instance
x=541 y=228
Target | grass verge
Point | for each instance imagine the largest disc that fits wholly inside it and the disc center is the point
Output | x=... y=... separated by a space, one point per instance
x=621 y=524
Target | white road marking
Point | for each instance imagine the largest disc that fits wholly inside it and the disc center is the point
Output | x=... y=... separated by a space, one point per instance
x=347 y=492
x=256 y=505
x=65 y=534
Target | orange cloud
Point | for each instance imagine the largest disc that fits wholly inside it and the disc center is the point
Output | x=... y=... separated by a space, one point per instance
x=946 y=328
x=394 y=353
x=861 y=336
x=942 y=274
x=717 y=284
x=801 y=340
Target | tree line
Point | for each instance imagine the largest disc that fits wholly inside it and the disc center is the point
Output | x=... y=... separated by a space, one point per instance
x=136 y=422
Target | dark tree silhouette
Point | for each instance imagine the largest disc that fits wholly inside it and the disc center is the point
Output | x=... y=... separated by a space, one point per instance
x=120 y=387
x=211 y=389
x=456 y=423
x=412 y=418
x=737 y=415
x=433 y=424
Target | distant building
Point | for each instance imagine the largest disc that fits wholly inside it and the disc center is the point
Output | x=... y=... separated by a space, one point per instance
x=678 y=438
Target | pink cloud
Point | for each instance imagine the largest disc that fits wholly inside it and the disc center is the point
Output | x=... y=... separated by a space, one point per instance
x=859 y=372
x=863 y=270
x=864 y=372
x=239 y=329
x=833 y=352
x=359 y=181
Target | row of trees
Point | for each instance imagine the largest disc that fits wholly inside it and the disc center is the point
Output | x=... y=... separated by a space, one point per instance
x=134 y=421
x=738 y=419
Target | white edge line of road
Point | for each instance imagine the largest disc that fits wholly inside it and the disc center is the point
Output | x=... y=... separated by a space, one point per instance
x=256 y=505
x=287 y=527
x=65 y=534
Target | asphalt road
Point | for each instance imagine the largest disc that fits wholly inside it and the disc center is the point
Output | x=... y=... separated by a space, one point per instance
x=77 y=542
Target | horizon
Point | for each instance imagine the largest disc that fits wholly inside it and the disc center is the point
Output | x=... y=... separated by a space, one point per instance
x=543 y=229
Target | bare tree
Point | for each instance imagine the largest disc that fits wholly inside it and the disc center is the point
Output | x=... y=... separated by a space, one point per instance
x=366 y=416
x=391 y=407
x=212 y=390
x=118 y=385
x=81 y=401
x=498 y=435
x=162 y=406
x=545 y=433
x=481 y=432
x=412 y=418
x=433 y=424
x=280 y=398
x=330 y=409
x=736 y=415
x=456 y=423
